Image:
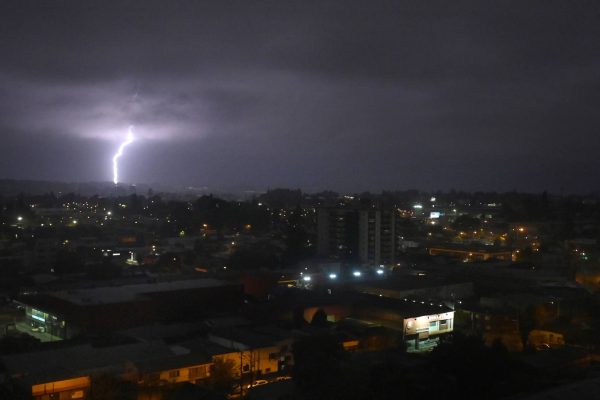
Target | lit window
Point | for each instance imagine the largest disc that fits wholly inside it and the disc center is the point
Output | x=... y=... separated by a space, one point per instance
x=198 y=372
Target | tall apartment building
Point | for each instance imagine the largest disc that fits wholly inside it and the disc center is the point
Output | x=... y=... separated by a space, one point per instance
x=366 y=235
x=377 y=242
x=338 y=233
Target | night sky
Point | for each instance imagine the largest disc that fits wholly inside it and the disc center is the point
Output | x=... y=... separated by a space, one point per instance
x=345 y=95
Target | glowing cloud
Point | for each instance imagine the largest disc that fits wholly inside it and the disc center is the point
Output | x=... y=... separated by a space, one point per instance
x=119 y=153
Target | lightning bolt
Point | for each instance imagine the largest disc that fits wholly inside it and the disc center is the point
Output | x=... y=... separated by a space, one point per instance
x=119 y=153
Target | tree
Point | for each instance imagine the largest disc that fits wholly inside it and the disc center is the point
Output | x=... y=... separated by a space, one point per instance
x=298 y=317
x=317 y=363
x=466 y=223
x=108 y=387
x=222 y=376
x=476 y=371
x=319 y=318
x=13 y=391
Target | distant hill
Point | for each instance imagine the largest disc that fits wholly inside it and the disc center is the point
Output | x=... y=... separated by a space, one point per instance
x=11 y=187
x=14 y=187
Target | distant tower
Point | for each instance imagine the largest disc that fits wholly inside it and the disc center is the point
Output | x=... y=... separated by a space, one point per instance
x=367 y=235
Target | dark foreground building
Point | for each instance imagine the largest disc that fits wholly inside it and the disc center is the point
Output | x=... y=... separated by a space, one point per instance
x=66 y=313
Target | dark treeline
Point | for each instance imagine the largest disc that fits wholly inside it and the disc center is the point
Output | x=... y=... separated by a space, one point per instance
x=460 y=368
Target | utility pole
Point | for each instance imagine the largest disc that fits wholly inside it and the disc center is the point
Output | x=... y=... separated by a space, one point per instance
x=242 y=391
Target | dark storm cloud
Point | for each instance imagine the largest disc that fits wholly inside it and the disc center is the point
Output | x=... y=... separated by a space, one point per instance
x=349 y=95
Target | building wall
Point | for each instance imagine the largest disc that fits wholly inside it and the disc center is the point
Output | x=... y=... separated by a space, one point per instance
x=255 y=363
x=323 y=232
x=367 y=235
x=171 y=306
x=422 y=333
x=388 y=239
x=334 y=313
x=429 y=325
x=190 y=373
x=52 y=324
x=113 y=316
x=493 y=326
x=377 y=236
x=196 y=303
x=448 y=291
x=539 y=337
x=337 y=230
x=73 y=388
x=471 y=255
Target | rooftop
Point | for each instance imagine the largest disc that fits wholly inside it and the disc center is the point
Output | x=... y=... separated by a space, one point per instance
x=244 y=336
x=405 y=281
x=80 y=360
x=126 y=293
x=406 y=307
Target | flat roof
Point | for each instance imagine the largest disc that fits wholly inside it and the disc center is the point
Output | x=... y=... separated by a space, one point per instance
x=125 y=293
x=165 y=332
x=174 y=362
x=204 y=346
x=407 y=307
x=407 y=282
x=245 y=337
x=80 y=360
x=293 y=298
x=472 y=247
